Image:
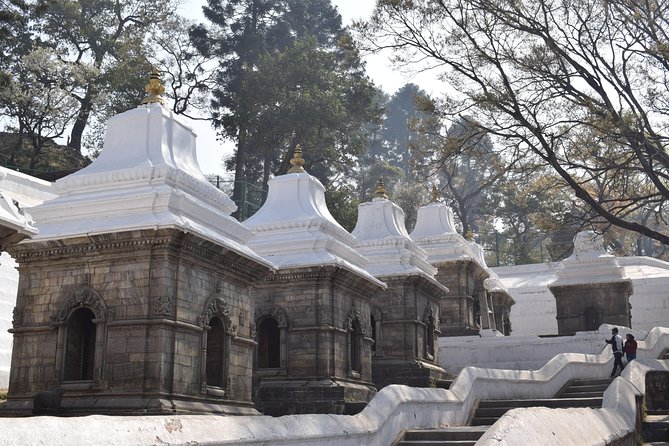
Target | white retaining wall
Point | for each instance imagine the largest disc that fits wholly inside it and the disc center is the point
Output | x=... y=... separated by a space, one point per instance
x=534 y=311
x=521 y=352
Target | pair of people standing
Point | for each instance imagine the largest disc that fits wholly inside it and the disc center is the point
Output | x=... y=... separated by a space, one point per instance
x=629 y=348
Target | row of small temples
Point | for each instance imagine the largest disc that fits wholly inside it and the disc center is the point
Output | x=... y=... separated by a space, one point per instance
x=140 y=294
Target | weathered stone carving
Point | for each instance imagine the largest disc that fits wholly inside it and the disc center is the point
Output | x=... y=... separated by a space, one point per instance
x=217 y=306
x=274 y=311
x=162 y=306
x=354 y=315
x=82 y=297
x=428 y=316
x=17 y=316
x=254 y=331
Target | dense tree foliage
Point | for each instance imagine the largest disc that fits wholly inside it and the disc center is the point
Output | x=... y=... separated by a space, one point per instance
x=580 y=85
x=251 y=40
x=75 y=63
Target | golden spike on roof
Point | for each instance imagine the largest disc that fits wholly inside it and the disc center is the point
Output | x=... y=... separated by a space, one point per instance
x=380 y=191
x=297 y=161
x=154 y=89
x=435 y=194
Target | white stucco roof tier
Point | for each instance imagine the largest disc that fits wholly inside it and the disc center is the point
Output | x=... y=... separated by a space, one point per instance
x=436 y=234
x=147 y=176
x=294 y=228
x=589 y=263
x=383 y=239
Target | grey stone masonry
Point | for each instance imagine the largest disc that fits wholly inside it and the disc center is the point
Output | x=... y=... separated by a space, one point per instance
x=407 y=316
x=583 y=307
x=502 y=302
x=323 y=340
x=460 y=309
x=148 y=297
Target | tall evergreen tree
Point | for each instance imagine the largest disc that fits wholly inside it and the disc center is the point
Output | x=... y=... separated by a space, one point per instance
x=281 y=62
x=398 y=134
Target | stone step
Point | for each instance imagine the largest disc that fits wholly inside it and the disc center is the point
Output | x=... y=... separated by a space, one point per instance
x=353 y=408
x=484 y=421
x=581 y=394
x=444 y=383
x=489 y=411
x=590 y=382
x=548 y=402
x=656 y=427
x=437 y=443
x=452 y=436
x=587 y=387
x=655 y=431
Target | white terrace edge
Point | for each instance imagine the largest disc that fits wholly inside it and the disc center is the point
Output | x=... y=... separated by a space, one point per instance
x=394 y=409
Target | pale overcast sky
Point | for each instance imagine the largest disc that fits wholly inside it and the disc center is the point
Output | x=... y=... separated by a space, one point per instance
x=211 y=152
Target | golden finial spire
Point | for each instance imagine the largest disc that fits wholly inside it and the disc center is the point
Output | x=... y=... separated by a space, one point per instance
x=435 y=194
x=297 y=161
x=380 y=191
x=154 y=89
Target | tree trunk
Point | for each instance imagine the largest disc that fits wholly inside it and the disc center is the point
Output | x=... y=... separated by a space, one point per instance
x=265 y=177
x=80 y=124
x=240 y=160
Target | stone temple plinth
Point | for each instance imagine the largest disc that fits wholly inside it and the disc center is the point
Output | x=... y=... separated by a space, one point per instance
x=590 y=290
x=312 y=315
x=135 y=296
x=406 y=315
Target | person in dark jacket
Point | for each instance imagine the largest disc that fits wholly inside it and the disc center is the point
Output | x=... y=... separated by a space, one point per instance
x=630 y=347
x=617 y=346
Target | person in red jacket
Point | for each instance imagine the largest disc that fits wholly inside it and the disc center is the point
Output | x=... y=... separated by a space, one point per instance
x=630 y=347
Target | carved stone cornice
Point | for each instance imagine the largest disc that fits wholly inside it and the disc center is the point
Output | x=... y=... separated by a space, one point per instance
x=430 y=287
x=295 y=274
x=173 y=240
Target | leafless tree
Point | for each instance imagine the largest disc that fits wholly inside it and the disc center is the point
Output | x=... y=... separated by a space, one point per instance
x=581 y=84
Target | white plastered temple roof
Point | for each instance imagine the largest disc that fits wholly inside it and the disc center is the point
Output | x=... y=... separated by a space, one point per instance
x=147 y=177
x=436 y=234
x=589 y=263
x=294 y=227
x=383 y=239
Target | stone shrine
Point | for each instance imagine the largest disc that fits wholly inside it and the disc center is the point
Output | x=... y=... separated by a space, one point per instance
x=405 y=317
x=312 y=316
x=468 y=308
x=590 y=289
x=135 y=297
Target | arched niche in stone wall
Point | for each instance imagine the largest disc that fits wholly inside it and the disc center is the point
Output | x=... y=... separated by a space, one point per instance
x=71 y=314
x=270 y=330
x=218 y=331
